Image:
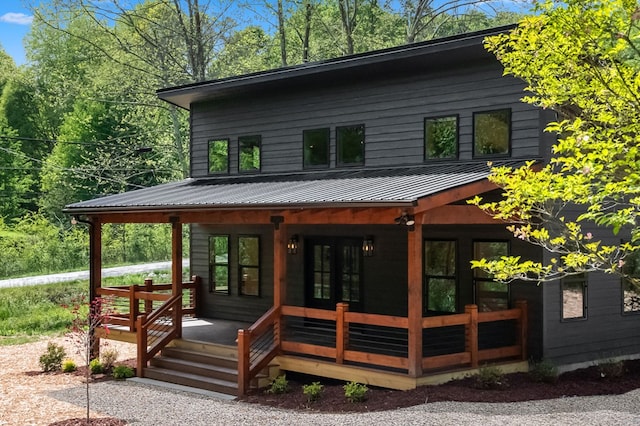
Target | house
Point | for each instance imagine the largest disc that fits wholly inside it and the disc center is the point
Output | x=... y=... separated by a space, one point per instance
x=327 y=208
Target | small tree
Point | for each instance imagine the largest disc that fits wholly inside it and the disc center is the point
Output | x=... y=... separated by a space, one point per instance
x=87 y=318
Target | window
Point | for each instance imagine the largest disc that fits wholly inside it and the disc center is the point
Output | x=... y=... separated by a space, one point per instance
x=316 y=148
x=350 y=145
x=631 y=285
x=441 y=137
x=491 y=132
x=440 y=276
x=249 y=153
x=218 y=156
x=574 y=297
x=490 y=295
x=249 y=265
x=219 y=264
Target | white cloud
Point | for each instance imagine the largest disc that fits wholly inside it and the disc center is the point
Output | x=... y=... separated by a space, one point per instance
x=16 y=18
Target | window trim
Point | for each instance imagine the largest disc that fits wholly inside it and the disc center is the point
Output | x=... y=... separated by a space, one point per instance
x=343 y=164
x=328 y=146
x=241 y=265
x=509 y=136
x=225 y=172
x=455 y=277
x=424 y=134
x=240 y=169
x=212 y=281
x=476 y=279
x=585 y=294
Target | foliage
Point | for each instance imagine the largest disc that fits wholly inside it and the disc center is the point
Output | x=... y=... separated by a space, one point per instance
x=490 y=377
x=543 y=371
x=95 y=366
x=121 y=372
x=51 y=360
x=612 y=369
x=108 y=357
x=313 y=391
x=580 y=59
x=69 y=366
x=355 y=392
x=279 y=385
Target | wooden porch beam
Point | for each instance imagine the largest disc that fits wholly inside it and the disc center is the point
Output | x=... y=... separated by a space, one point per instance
x=454 y=194
x=414 y=302
x=458 y=215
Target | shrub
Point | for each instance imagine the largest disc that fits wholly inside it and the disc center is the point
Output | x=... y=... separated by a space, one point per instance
x=543 y=371
x=611 y=369
x=279 y=385
x=96 y=366
x=313 y=391
x=108 y=357
x=69 y=366
x=355 y=392
x=121 y=372
x=51 y=360
x=490 y=377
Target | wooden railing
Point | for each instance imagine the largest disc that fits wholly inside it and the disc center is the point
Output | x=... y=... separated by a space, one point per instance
x=257 y=346
x=157 y=330
x=131 y=301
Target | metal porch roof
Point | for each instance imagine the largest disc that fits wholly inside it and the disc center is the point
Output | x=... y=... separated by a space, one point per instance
x=336 y=188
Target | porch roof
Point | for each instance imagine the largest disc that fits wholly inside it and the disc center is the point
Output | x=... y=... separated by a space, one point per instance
x=381 y=187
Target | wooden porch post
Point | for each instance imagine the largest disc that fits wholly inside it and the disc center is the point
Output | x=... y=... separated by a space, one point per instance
x=95 y=271
x=279 y=274
x=414 y=311
x=176 y=267
x=522 y=327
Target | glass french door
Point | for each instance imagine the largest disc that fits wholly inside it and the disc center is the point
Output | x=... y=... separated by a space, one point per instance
x=333 y=272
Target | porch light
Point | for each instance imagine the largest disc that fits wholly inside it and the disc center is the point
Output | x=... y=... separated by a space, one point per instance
x=292 y=245
x=405 y=219
x=367 y=246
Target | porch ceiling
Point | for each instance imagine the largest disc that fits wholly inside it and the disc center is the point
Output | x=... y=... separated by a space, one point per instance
x=418 y=188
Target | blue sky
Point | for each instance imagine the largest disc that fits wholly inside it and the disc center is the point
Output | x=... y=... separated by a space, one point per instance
x=14 y=24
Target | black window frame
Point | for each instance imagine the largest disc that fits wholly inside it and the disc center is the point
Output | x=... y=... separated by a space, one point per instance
x=509 y=133
x=573 y=279
x=339 y=162
x=242 y=266
x=219 y=172
x=257 y=138
x=454 y=277
x=324 y=165
x=455 y=156
x=213 y=265
x=481 y=279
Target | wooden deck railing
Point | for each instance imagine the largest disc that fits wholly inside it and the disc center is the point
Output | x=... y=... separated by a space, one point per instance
x=131 y=301
x=257 y=346
x=157 y=330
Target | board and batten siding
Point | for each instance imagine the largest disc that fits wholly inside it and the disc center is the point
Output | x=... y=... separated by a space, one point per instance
x=392 y=110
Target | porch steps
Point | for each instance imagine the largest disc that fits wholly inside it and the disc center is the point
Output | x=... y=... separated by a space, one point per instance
x=199 y=365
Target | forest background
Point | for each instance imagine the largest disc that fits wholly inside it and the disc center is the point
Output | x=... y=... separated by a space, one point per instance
x=80 y=119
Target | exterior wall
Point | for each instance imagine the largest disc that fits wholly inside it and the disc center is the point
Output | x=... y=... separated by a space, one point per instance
x=392 y=111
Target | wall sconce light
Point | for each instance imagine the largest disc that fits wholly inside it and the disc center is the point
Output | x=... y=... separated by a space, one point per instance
x=367 y=246
x=405 y=219
x=292 y=245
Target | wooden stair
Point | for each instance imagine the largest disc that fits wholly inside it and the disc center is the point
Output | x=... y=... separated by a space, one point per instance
x=200 y=365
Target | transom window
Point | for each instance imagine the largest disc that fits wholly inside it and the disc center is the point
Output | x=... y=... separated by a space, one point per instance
x=218 y=156
x=441 y=137
x=249 y=153
x=219 y=264
x=316 y=147
x=440 y=276
x=249 y=265
x=491 y=133
x=350 y=145
x=574 y=297
x=489 y=294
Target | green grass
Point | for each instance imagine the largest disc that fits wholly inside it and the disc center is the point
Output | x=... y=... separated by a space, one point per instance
x=30 y=312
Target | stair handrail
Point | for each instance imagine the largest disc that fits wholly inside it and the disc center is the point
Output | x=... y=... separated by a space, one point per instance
x=248 y=368
x=143 y=324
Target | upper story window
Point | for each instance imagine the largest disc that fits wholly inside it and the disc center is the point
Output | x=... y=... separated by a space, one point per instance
x=440 y=275
x=315 y=148
x=491 y=133
x=441 y=137
x=218 y=156
x=574 y=297
x=490 y=295
x=219 y=264
x=249 y=265
x=249 y=153
x=350 y=145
